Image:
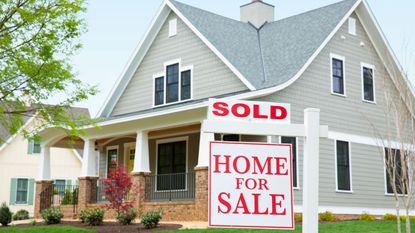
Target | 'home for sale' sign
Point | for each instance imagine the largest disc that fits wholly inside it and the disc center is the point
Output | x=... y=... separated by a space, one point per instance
x=250 y=185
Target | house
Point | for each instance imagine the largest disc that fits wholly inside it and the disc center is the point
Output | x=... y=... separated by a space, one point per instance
x=19 y=163
x=334 y=58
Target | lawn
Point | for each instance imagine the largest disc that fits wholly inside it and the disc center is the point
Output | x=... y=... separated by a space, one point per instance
x=339 y=227
x=45 y=229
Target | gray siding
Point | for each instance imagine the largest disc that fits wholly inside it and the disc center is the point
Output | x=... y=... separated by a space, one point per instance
x=211 y=77
x=346 y=115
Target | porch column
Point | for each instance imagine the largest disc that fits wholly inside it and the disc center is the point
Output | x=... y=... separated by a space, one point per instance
x=88 y=180
x=204 y=146
x=141 y=158
x=44 y=185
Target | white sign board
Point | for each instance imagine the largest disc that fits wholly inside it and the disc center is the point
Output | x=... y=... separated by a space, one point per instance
x=249 y=111
x=250 y=185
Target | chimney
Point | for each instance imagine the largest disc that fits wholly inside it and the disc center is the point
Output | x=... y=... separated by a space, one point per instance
x=257 y=13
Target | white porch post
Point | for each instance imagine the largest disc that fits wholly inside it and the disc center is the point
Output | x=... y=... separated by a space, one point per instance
x=89 y=159
x=311 y=170
x=204 y=148
x=142 y=160
x=44 y=166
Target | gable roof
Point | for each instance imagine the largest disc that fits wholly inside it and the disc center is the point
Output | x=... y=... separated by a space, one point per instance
x=268 y=59
x=273 y=54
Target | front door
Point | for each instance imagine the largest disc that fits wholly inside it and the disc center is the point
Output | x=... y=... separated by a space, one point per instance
x=112 y=155
x=130 y=153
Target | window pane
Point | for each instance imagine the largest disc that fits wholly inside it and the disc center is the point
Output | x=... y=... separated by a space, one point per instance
x=395 y=160
x=36 y=147
x=185 y=82
x=22 y=188
x=338 y=79
x=231 y=138
x=343 y=166
x=172 y=83
x=293 y=142
x=171 y=166
x=368 y=84
x=159 y=91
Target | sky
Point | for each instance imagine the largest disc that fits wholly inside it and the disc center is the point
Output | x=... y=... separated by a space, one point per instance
x=115 y=28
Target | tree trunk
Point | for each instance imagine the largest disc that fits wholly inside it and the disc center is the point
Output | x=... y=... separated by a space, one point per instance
x=398 y=219
x=407 y=222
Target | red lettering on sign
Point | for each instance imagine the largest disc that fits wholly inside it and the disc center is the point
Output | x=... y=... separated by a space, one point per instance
x=276 y=204
x=256 y=205
x=257 y=113
x=222 y=109
x=274 y=113
x=223 y=202
x=280 y=164
x=262 y=167
x=217 y=163
x=241 y=204
x=236 y=167
x=246 y=111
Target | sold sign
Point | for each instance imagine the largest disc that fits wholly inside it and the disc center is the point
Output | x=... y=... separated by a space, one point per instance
x=250 y=185
x=249 y=111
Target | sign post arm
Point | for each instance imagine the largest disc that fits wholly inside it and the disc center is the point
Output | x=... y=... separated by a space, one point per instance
x=311 y=170
x=205 y=139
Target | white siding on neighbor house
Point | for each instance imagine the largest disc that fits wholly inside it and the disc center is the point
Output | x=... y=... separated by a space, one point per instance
x=16 y=163
x=349 y=115
x=211 y=77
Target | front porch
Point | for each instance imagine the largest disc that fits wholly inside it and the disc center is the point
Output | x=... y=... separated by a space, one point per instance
x=168 y=163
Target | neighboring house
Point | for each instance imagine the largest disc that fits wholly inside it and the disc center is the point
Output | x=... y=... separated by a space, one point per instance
x=19 y=166
x=334 y=58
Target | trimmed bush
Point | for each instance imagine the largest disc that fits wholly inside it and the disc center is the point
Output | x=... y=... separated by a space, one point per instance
x=367 y=217
x=52 y=215
x=126 y=217
x=151 y=219
x=298 y=217
x=33 y=222
x=327 y=217
x=21 y=215
x=92 y=217
x=5 y=215
x=389 y=217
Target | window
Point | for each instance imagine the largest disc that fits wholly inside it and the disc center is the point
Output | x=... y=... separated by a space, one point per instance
x=171 y=165
x=343 y=171
x=393 y=158
x=368 y=83
x=337 y=72
x=293 y=142
x=60 y=186
x=174 y=85
x=112 y=158
x=159 y=91
x=352 y=26
x=172 y=27
x=231 y=137
x=22 y=191
x=33 y=147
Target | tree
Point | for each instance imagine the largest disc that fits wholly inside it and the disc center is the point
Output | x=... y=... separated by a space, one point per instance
x=37 y=38
x=119 y=190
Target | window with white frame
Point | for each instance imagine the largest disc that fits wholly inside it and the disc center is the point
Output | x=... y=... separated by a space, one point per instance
x=173 y=86
x=33 y=147
x=171 y=164
x=395 y=171
x=368 y=83
x=337 y=75
x=343 y=168
x=293 y=142
x=22 y=191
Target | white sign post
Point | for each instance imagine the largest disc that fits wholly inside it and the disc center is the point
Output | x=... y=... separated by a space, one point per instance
x=250 y=185
x=266 y=119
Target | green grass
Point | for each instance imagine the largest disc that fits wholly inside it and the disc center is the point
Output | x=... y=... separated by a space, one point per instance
x=44 y=229
x=338 y=227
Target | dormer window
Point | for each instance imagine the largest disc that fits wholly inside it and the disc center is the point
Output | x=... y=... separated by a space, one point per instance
x=174 y=85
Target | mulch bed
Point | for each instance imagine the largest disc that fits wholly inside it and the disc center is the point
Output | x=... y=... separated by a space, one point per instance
x=113 y=227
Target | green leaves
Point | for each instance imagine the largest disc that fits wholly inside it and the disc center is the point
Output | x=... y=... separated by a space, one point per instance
x=37 y=39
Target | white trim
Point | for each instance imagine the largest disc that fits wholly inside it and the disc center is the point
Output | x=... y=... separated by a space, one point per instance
x=175 y=134
x=10 y=139
x=116 y=138
x=343 y=59
x=350 y=167
x=170 y=140
x=116 y=147
x=298 y=187
x=172 y=27
x=77 y=155
x=352 y=210
x=210 y=45
x=364 y=140
x=372 y=67
x=352 y=26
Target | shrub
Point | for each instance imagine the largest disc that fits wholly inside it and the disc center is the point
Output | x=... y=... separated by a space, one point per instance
x=92 y=217
x=68 y=197
x=367 y=217
x=5 y=215
x=151 y=219
x=298 y=217
x=52 y=215
x=33 y=222
x=389 y=217
x=21 y=215
x=125 y=217
x=327 y=217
